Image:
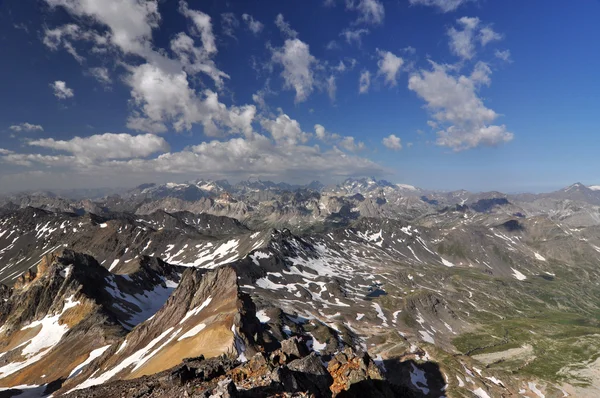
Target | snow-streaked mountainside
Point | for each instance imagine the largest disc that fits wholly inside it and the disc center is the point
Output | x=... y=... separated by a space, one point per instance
x=365 y=288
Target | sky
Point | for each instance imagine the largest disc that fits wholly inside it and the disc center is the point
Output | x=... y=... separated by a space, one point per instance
x=441 y=94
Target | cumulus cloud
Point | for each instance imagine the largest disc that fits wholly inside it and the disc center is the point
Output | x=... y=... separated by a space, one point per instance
x=241 y=157
x=349 y=144
x=203 y=26
x=458 y=110
x=192 y=59
x=107 y=146
x=389 y=66
x=26 y=127
x=285 y=131
x=392 y=142
x=61 y=91
x=28 y=160
x=370 y=11
x=5 y=151
x=364 y=82
x=345 y=142
x=285 y=27
x=323 y=135
x=463 y=40
x=254 y=25
x=167 y=98
x=166 y=94
x=130 y=21
x=487 y=35
x=161 y=92
x=443 y=5
x=298 y=63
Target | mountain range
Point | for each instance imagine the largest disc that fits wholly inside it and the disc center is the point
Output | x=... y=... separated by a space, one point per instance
x=364 y=288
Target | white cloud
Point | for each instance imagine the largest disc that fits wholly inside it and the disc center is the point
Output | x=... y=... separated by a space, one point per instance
x=5 y=151
x=323 y=135
x=349 y=144
x=503 y=55
x=107 y=146
x=443 y=5
x=203 y=26
x=65 y=35
x=255 y=26
x=27 y=160
x=284 y=27
x=364 y=82
x=389 y=66
x=26 y=127
x=242 y=157
x=258 y=156
x=346 y=142
x=61 y=91
x=229 y=23
x=487 y=35
x=370 y=11
x=455 y=105
x=354 y=35
x=297 y=64
x=392 y=142
x=160 y=90
x=481 y=74
x=462 y=42
x=130 y=21
x=167 y=98
x=285 y=131
x=101 y=74
x=193 y=59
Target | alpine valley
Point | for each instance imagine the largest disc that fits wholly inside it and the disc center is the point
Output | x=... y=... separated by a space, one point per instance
x=254 y=289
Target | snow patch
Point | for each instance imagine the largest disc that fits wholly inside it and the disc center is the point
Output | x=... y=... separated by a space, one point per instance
x=192 y=332
x=539 y=257
x=518 y=275
x=93 y=355
x=262 y=316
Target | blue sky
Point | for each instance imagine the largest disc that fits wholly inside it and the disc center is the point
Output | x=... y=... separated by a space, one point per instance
x=474 y=94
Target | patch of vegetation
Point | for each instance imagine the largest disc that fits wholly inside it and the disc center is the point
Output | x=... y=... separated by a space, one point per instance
x=452 y=249
x=558 y=340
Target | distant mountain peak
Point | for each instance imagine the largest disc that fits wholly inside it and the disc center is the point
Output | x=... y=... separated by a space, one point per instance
x=576 y=186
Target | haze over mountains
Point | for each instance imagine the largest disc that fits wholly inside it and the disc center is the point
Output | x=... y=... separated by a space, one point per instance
x=383 y=288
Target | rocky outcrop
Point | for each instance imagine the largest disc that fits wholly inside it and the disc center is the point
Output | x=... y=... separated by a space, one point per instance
x=69 y=310
x=53 y=319
x=205 y=316
x=279 y=373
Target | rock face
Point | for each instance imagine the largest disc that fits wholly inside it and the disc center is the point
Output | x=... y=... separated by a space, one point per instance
x=53 y=318
x=274 y=374
x=206 y=316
